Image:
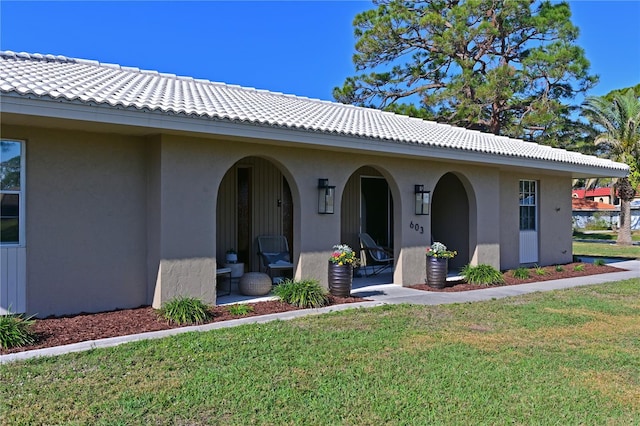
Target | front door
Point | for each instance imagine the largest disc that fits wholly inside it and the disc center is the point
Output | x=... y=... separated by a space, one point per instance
x=528 y=200
x=376 y=210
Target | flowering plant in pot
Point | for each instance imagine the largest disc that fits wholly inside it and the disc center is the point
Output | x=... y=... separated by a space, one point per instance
x=343 y=255
x=439 y=250
x=341 y=264
x=438 y=264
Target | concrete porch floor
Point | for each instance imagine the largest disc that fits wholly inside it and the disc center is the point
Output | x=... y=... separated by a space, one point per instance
x=363 y=286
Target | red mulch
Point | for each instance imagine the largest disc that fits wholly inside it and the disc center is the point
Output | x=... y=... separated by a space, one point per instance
x=550 y=273
x=57 y=331
x=79 y=328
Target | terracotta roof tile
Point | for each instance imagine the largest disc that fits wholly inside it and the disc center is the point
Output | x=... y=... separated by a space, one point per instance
x=584 y=204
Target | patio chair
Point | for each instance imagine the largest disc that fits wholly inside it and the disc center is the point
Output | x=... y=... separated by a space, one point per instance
x=374 y=255
x=274 y=255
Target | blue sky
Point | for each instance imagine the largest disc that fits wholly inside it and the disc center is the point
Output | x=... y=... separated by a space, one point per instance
x=298 y=47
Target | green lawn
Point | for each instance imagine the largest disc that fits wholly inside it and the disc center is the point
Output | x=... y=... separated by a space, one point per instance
x=605 y=250
x=543 y=358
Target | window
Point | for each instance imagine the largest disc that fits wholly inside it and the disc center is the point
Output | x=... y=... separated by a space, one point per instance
x=528 y=202
x=11 y=192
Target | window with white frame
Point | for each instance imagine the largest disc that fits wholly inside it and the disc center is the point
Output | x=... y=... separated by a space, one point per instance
x=528 y=202
x=11 y=192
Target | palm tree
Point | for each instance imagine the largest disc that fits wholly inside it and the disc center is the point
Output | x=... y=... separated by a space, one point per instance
x=620 y=119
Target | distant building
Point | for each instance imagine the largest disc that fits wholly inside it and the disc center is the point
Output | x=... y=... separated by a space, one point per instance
x=588 y=213
x=600 y=195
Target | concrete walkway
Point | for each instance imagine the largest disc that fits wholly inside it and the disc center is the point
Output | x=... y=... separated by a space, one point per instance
x=391 y=293
x=377 y=291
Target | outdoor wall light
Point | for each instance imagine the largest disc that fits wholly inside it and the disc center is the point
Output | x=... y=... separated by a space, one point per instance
x=423 y=198
x=326 y=195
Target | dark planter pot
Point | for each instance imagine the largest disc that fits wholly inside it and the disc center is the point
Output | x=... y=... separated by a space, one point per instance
x=340 y=279
x=437 y=268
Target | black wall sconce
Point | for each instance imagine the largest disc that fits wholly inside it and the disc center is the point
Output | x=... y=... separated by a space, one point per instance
x=326 y=195
x=423 y=199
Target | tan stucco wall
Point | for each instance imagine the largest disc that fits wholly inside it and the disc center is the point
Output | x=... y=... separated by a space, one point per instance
x=186 y=204
x=554 y=219
x=120 y=221
x=509 y=221
x=315 y=234
x=85 y=221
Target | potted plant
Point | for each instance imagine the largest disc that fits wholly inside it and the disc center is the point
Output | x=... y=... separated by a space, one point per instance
x=232 y=256
x=438 y=264
x=341 y=263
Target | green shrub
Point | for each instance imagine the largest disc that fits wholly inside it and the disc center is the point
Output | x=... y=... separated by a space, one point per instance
x=540 y=270
x=597 y=225
x=15 y=331
x=559 y=268
x=599 y=262
x=240 y=309
x=185 y=310
x=304 y=293
x=598 y=222
x=578 y=268
x=482 y=274
x=521 y=273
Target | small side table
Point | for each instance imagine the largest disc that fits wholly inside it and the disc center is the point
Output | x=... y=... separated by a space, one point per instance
x=223 y=275
x=237 y=269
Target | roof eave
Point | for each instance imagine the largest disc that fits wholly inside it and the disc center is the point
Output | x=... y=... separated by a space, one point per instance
x=62 y=108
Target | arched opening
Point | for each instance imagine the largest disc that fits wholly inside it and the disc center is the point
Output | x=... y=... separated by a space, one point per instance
x=367 y=207
x=450 y=218
x=254 y=199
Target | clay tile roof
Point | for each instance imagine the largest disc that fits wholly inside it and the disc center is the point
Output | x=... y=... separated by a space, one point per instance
x=583 y=204
x=85 y=81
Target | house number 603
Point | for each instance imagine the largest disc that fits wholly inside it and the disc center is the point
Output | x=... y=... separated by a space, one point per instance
x=416 y=227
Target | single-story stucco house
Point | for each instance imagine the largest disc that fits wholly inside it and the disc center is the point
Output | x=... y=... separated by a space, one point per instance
x=123 y=187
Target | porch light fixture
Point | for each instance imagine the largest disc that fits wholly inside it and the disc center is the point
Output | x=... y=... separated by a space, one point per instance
x=423 y=198
x=326 y=195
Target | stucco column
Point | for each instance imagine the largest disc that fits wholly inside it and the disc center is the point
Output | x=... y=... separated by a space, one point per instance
x=182 y=212
x=413 y=232
x=484 y=217
x=317 y=234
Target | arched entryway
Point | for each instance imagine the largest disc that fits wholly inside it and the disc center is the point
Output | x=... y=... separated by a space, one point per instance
x=254 y=198
x=450 y=218
x=367 y=206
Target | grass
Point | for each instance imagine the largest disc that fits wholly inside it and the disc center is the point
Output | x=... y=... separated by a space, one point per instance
x=532 y=359
x=605 y=250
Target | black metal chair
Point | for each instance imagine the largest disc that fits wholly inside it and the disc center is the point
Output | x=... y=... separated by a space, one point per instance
x=374 y=255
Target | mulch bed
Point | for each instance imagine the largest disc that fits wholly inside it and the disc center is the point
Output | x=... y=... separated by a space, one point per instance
x=57 y=331
x=550 y=273
x=83 y=327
